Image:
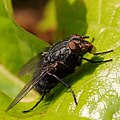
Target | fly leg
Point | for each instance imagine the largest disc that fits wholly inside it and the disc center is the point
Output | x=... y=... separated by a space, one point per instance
x=44 y=93
x=68 y=86
x=100 y=61
x=101 y=53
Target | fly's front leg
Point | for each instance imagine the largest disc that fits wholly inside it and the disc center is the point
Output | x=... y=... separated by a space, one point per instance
x=101 y=53
x=100 y=61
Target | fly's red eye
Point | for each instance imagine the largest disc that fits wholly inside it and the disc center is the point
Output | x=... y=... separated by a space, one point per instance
x=74 y=47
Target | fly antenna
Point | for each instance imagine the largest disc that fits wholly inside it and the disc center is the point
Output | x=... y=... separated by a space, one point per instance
x=85 y=37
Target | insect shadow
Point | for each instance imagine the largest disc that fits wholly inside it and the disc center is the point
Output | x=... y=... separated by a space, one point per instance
x=85 y=69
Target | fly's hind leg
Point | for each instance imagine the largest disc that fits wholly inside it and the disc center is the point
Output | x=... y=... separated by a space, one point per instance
x=44 y=93
x=68 y=86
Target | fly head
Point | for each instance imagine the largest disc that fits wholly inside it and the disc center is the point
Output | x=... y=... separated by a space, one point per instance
x=78 y=45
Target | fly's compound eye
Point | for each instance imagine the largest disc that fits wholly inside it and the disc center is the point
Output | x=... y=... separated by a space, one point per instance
x=74 y=47
x=93 y=50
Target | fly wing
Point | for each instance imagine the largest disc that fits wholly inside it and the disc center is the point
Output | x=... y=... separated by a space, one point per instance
x=30 y=65
x=28 y=87
x=26 y=69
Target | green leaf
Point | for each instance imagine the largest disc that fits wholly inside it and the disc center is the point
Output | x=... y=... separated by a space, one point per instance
x=16 y=48
x=97 y=86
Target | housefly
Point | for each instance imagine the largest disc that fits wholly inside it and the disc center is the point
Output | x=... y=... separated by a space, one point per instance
x=51 y=66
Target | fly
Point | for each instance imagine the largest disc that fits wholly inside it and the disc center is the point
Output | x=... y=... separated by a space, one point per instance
x=51 y=66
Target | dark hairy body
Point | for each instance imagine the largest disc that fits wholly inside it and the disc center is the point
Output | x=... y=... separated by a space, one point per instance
x=54 y=64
